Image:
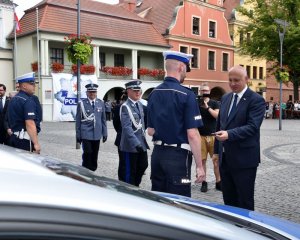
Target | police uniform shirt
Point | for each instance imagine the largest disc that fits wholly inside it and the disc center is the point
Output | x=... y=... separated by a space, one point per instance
x=22 y=107
x=172 y=110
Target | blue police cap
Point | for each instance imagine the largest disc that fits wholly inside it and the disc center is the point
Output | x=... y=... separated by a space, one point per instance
x=135 y=84
x=28 y=77
x=91 y=87
x=179 y=56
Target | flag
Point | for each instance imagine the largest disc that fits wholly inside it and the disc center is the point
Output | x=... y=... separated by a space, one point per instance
x=18 y=27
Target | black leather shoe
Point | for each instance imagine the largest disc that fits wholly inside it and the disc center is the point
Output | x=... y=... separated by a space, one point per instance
x=204 y=187
x=219 y=186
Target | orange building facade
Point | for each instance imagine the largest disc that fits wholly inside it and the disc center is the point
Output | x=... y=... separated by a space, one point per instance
x=201 y=29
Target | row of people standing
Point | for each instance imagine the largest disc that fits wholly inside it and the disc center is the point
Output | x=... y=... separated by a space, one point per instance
x=173 y=122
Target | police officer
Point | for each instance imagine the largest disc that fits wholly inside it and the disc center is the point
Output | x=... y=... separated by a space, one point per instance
x=133 y=145
x=91 y=126
x=173 y=119
x=25 y=115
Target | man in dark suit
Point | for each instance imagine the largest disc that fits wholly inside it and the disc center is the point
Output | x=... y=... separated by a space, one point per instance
x=3 y=109
x=237 y=140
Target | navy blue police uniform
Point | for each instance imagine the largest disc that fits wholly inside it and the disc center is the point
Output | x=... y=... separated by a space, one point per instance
x=172 y=110
x=23 y=107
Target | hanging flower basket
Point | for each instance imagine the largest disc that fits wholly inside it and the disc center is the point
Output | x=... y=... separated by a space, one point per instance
x=57 y=67
x=282 y=75
x=79 y=48
x=116 y=71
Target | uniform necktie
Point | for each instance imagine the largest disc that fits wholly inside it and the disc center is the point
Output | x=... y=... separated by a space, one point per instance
x=234 y=105
x=1 y=104
x=93 y=104
x=137 y=106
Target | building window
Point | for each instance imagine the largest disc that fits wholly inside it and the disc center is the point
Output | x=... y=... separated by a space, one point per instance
x=102 y=59
x=195 y=59
x=57 y=55
x=183 y=49
x=196 y=25
x=211 y=60
x=261 y=72
x=241 y=65
x=225 y=62
x=241 y=37
x=248 y=37
x=119 y=60
x=212 y=29
x=248 y=69
x=254 y=72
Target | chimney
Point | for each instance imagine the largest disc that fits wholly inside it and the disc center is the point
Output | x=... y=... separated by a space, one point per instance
x=128 y=4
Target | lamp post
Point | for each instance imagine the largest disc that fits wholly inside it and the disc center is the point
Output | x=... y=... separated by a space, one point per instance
x=282 y=24
x=78 y=63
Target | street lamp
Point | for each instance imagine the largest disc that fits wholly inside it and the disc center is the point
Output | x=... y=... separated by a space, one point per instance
x=78 y=64
x=284 y=24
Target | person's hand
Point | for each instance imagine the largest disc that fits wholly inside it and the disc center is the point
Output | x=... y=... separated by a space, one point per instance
x=104 y=139
x=215 y=157
x=139 y=148
x=79 y=140
x=222 y=136
x=37 y=148
x=200 y=175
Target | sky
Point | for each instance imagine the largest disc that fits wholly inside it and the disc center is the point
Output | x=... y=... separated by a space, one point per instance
x=25 y=4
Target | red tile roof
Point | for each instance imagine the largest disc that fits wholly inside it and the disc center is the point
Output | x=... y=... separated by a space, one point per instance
x=160 y=12
x=100 y=20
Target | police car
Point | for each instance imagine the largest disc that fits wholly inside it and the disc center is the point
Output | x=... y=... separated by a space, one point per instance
x=45 y=198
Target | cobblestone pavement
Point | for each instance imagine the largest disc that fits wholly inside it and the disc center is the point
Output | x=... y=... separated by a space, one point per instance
x=277 y=192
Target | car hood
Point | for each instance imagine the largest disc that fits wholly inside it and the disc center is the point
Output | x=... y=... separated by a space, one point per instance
x=283 y=225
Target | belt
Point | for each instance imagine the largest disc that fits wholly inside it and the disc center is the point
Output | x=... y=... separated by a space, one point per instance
x=183 y=145
x=22 y=135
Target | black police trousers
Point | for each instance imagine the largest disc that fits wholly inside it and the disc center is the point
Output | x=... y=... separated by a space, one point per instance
x=24 y=144
x=132 y=167
x=171 y=170
x=90 y=154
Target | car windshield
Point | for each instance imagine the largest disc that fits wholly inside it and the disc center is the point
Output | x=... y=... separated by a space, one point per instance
x=84 y=175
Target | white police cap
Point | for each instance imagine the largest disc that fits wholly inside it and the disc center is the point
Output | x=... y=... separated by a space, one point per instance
x=28 y=77
x=179 y=56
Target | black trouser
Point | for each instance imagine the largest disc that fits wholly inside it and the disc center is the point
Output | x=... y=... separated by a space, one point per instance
x=90 y=153
x=108 y=116
x=171 y=170
x=132 y=167
x=238 y=185
x=21 y=143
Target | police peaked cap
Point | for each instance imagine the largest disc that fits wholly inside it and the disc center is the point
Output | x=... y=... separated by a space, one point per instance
x=28 y=77
x=91 y=87
x=179 y=56
x=135 y=84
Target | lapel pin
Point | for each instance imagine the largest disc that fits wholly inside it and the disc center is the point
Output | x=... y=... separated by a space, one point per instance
x=244 y=99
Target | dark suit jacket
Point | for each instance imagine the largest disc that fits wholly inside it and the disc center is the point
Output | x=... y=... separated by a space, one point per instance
x=242 y=148
x=3 y=133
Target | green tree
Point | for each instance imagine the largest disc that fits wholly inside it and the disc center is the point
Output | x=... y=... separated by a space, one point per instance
x=264 y=41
